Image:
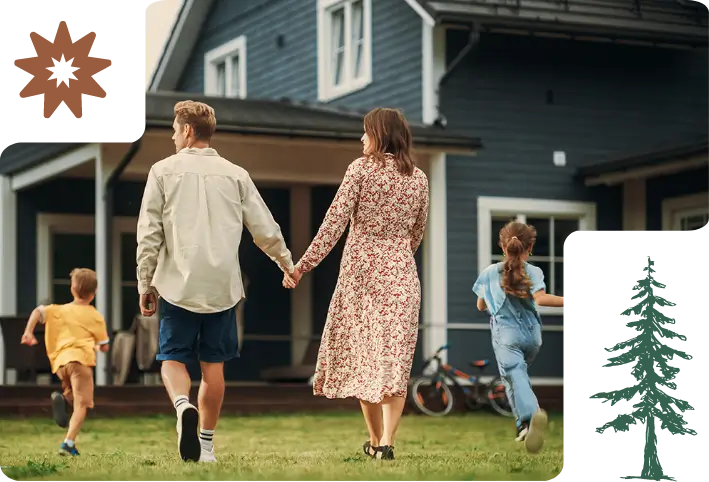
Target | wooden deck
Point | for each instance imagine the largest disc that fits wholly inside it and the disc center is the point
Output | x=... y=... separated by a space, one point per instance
x=33 y=400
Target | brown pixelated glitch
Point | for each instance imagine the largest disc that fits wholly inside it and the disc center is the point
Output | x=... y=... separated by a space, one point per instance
x=83 y=75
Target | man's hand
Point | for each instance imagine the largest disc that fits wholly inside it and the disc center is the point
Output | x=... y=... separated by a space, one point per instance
x=148 y=304
x=28 y=339
x=291 y=280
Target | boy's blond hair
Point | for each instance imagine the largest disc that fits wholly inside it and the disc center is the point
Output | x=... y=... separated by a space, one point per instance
x=83 y=282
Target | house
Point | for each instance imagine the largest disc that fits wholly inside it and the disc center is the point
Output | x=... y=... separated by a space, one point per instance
x=562 y=93
x=69 y=205
x=592 y=115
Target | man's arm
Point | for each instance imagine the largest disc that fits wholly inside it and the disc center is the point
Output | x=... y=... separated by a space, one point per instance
x=149 y=232
x=263 y=228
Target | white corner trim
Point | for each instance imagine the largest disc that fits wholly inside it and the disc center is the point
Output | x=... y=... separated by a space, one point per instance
x=433 y=67
x=8 y=253
x=326 y=91
x=225 y=52
x=435 y=261
x=672 y=205
x=425 y=16
x=56 y=166
x=489 y=206
x=171 y=44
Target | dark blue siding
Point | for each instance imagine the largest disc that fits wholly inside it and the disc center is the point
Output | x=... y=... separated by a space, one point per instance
x=680 y=184
x=606 y=99
x=291 y=70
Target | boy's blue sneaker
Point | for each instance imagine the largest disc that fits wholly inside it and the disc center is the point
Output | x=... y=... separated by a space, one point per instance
x=65 y=449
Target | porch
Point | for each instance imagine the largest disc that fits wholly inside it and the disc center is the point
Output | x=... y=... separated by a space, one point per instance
x=63 y=206
x=666 y=188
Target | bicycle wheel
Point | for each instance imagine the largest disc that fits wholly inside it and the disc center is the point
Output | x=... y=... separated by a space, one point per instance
x=497 y=396
x=432 y=396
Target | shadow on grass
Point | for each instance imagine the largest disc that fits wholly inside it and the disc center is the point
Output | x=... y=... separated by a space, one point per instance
x=33 y=469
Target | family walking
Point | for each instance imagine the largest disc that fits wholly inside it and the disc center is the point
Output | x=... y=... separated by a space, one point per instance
x=192 y=216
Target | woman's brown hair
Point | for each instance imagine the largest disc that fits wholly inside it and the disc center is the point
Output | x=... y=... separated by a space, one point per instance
x=389 y=133
x=516 y=239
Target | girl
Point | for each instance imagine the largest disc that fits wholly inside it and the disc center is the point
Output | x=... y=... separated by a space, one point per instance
x=510 y=291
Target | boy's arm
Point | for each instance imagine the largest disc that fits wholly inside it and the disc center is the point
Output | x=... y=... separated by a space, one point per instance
x=101 y=334
x=38 y=315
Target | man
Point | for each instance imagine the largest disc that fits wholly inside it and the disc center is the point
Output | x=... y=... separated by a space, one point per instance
x=191 y=219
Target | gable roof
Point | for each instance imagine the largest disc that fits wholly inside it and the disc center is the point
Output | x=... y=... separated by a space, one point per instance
x=179 y=44
x=185 y=33
x=295 y=119
x=662 y=21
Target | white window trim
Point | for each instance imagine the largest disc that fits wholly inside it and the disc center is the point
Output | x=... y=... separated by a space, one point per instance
x=671 y=205
x=79 y=224
x=503 y=206
x=236 y=46
x=326 y=92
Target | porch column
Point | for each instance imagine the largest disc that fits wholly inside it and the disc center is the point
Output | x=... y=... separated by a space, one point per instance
x=302 y=296
x=634 y=209
x=8 y=260
x=101 y=232
x=435 y=254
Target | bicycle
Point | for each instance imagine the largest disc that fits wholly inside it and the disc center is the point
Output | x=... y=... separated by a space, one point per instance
x=431 y=395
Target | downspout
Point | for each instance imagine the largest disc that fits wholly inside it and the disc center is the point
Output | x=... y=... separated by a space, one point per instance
x=109 y=196
x=473 y=41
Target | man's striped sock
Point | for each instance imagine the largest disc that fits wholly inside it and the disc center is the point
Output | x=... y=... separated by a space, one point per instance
x=180 y=400
x=206 y=439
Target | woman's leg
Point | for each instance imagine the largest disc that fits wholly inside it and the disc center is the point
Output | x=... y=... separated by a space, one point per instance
x=373 y=417
x=392 y=408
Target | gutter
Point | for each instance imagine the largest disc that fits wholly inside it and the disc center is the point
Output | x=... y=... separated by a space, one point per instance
x=473 y=41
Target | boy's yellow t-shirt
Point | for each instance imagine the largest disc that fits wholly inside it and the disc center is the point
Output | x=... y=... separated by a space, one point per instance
x=71 y=334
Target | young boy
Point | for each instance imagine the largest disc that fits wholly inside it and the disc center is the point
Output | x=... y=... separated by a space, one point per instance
x=73 y=333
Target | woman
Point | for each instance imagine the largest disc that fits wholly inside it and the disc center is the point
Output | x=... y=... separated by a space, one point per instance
x=370 y=335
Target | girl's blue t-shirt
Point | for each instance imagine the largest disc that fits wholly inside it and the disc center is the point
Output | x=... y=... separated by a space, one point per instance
x=488 y=286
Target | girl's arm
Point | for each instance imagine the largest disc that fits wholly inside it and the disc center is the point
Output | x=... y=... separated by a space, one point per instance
x=481 y=304
x=542 y=298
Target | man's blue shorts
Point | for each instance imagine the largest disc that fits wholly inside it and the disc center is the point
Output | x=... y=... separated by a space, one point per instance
x=186 y=336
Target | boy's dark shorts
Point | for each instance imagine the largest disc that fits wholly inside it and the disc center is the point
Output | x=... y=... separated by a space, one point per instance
x=186 y=336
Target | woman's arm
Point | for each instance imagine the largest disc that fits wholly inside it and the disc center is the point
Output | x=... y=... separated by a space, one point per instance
x=336 y=219
x=420 y=225
x=542 y=298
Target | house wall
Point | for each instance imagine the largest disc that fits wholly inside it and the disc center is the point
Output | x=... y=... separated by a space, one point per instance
x=291 y=71
x=267 y=310
x=680 y=184
x=527 y=97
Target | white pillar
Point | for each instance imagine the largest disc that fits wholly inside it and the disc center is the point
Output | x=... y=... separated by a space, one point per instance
x=8 y=259
x=435 y=267
x=301 y=297
x=634 y=209
x=101 y=257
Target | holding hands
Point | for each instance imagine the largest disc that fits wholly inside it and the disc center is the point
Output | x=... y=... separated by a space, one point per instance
x=291 y=280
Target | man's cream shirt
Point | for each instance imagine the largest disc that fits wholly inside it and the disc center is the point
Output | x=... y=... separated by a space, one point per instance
x=193 y=212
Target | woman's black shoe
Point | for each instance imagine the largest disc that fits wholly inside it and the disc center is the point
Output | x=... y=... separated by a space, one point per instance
x=368 y=449
x=385 y=452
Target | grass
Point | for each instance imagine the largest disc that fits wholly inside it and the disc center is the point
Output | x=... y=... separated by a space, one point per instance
x=281 y=447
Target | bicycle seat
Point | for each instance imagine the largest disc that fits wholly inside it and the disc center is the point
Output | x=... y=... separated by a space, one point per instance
x=480 y=363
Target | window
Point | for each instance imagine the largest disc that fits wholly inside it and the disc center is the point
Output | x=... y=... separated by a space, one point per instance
x=344 y=47
x=225 y=70
x=685 y=213
x=554 y=222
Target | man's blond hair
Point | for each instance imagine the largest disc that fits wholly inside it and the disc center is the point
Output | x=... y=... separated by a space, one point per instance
x=197 y=115
x=84 y=282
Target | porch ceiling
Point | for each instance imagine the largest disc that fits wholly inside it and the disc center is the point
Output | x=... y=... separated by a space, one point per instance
x=679 y=22
x=662 y=161
x=270 y=160
x=292 y=119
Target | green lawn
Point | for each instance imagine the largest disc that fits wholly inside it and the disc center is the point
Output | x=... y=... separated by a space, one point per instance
x=281 y=447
